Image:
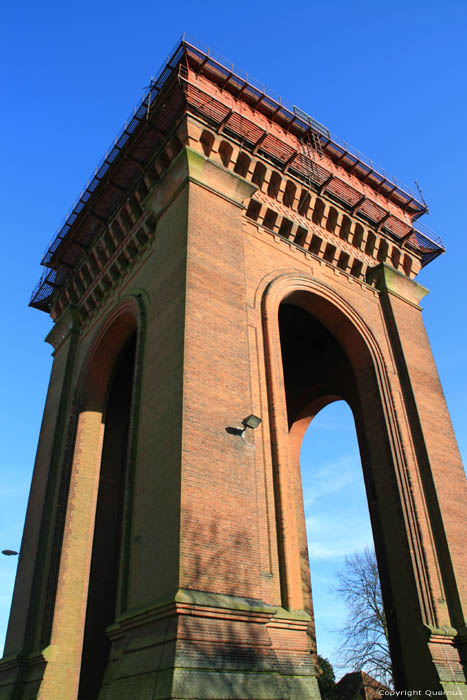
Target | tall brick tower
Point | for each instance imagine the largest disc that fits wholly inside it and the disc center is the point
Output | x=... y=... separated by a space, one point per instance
x=228 y=258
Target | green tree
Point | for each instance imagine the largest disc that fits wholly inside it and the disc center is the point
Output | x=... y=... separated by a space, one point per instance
x=326 y=680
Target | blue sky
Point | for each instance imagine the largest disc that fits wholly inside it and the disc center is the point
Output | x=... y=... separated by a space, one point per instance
x=337 y=518
x=389 y=78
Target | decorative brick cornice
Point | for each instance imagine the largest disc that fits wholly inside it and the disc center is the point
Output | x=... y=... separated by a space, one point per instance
x=310 y=218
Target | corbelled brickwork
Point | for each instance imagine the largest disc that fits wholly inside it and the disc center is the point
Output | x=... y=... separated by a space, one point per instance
x=225 y=265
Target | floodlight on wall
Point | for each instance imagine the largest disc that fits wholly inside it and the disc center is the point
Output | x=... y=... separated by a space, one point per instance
x=251 y=421
x=9 y=552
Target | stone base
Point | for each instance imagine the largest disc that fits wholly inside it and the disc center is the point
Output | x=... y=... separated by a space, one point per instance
x=192 y=646
x=199 y=648
x=448 y=648
x=186 y=684
x=196 y=646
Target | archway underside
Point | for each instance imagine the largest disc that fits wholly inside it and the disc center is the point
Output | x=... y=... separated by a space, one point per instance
x=106 y=562
x=317 y=371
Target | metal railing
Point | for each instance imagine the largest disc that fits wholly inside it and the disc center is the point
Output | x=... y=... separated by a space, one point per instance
x=140 y=110
x=291 y=112
x=113 y=150
x=297 y=113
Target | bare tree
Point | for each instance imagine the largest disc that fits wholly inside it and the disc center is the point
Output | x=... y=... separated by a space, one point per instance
x=364 y=638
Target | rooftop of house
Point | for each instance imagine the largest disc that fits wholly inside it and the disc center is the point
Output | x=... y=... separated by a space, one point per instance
x=359 y=685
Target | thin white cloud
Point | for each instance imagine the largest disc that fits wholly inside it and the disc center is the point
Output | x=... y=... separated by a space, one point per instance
x=337 y=548
x=331 y=536
x=328 y=479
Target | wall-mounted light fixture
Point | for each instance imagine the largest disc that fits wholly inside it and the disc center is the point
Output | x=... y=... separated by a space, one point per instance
x=9 y=552
x=251 y=421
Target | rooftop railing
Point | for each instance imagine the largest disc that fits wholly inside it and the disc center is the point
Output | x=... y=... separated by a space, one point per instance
x=140 y=110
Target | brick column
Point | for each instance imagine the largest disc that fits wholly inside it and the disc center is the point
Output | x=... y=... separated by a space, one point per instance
x=439 y=470
x=61 y=676
x=29 y=611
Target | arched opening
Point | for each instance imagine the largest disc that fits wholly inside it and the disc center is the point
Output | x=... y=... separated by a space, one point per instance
x=304 y=202
x=395 y=257
x=106 y=548
x=243 y=164
x=358 y=236
x=274 y=185
x=315 y=244
x=207 y=142
x=343 y=262
x=331 y=220
x=370 y=244
x=318 y=211
x=259 y=174
x=357 y=268
x=285 y=228
x=270 y=218
x=95 y=577
x=383 y=251
x=289 y=194
x=336 y=515
x=407 y=265
x=300 y=236
x=330 y=253
x=253 y=210
x=225 y=152
x=324 y=360
x=316 y=372
x=345 y=228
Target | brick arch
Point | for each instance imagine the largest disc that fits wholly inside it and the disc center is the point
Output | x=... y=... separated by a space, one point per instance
x=300 y=425
x=395 y=520
x=120 y=324
x=125 y=321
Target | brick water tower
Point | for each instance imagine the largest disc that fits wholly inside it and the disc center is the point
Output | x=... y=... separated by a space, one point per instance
x=229 y=258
